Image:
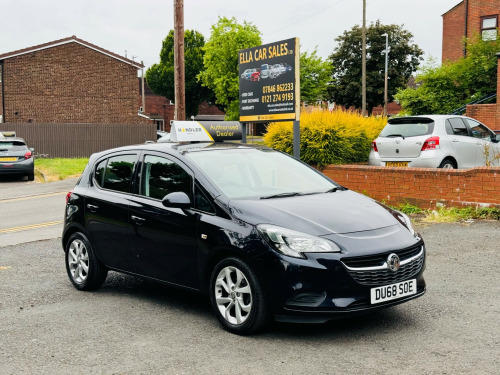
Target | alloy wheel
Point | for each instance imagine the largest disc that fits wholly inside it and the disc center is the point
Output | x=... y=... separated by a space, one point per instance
x=233 y=295
x=78 y=261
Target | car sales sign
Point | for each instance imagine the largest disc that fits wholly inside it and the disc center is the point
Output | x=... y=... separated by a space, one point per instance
x=269 y=78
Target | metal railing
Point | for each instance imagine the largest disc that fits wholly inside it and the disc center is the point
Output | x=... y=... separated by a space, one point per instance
x=461 y=110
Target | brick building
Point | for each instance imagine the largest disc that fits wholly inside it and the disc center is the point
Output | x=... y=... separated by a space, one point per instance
x=466 y=19
x=68 y=81
x=161 y=109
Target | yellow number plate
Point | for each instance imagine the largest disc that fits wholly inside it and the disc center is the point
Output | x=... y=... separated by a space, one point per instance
x=8 y=159
x=396 y=163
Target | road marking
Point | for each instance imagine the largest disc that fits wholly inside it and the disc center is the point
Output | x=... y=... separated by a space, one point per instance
x=4 y=268
x=32 y=197
x=28 y=227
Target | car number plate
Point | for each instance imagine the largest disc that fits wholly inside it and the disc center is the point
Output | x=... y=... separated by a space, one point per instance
x=393 y=291
x=8 y=159
x=396 y=163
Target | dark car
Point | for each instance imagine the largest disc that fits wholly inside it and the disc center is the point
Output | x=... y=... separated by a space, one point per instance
x=264 y=235
x=15 y=157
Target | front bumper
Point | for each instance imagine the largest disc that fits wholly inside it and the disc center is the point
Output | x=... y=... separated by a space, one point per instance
x=321 y=288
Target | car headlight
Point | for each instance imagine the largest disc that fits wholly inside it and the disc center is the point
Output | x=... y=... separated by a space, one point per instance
x=406 y=221
x=295 y=244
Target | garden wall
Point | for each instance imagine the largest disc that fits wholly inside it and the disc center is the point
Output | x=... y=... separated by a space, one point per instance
x=422 y=187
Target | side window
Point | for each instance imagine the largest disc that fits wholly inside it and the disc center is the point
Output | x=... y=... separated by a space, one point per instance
x=161 y=176
x=201 y=201
x=479 y=130
x=117 y=173
x=99 y=172
x=458 y=126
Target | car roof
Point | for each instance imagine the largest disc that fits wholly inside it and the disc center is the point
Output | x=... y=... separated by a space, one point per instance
x=12 y=139
x=182 y=148
x=430 y=117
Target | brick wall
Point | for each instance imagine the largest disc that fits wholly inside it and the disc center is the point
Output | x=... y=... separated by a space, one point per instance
x=498 y=94
x=453 y=32
x=70 y=83
x=486 y=113
x=422 y=187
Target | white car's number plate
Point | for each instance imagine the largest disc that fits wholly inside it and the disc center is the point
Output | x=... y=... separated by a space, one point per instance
x=393 y=291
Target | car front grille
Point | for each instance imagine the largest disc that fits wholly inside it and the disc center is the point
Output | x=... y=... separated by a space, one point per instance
x=373 y=270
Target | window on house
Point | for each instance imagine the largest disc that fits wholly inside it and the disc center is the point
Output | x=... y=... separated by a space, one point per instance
x=489 y=25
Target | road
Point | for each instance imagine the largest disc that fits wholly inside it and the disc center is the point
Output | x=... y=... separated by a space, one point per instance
x=132 y=326
x=31 y=211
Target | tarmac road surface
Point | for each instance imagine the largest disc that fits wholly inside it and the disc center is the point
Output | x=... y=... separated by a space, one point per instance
x=132 y=326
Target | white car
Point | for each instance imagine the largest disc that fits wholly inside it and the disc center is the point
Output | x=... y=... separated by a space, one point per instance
x=435 y=141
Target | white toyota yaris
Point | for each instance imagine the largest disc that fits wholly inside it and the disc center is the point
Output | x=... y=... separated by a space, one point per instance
x=435 y=141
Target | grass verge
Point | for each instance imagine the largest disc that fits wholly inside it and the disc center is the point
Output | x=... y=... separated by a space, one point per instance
x=450 y=214
x=58 y=168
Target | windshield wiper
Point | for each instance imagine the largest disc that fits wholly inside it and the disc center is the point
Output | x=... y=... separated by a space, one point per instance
x=281 y=195
x=395 y=135
x=332 y=190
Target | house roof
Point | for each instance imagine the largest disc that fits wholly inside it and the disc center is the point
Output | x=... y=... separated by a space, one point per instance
x=71 y=39
x=448 y=11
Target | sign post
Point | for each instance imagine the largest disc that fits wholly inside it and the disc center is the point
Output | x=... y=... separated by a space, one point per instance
x=269 y=78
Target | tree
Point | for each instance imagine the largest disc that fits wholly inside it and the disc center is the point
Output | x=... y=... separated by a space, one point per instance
x=445 y=88
x=221 y=61
x=314 y=76
x=404 y=58
x=160 y=77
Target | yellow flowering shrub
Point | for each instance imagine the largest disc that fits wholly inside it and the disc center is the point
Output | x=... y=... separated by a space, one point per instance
x=338 y=137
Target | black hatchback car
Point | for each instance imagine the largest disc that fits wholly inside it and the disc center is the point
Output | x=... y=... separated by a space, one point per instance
x=264 y=235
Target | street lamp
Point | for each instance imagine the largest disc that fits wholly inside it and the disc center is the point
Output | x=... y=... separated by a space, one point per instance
x=385 y=77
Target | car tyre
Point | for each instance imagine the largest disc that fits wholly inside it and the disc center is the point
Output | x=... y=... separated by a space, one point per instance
x=85 y=271
x=237 y=298
x=31 y=176
x=447 y=164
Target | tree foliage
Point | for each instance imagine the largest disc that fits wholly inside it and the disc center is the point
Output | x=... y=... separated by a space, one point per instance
x=160 y=77
x=221 y=61
x=404 y=58
x=445 y=88
x=314 y=77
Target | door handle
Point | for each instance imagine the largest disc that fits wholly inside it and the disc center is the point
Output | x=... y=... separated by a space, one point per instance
x=138 y=220
x=92 y=207
x=455 y=140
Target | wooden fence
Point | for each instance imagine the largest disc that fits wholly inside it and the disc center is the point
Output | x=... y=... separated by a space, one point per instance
x=79 y=140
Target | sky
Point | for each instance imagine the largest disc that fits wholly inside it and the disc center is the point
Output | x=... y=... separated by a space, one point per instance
x=136 y=28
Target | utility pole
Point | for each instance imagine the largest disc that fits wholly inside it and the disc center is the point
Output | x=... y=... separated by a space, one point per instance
x=143 y=94
x=363 y=63
x=180 y=96
x=386 y=71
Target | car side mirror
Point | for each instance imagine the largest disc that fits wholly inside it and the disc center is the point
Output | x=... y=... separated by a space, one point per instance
x=495 y=138
x=177 y=199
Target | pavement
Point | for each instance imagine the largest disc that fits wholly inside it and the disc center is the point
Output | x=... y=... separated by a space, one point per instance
x=31 y=211
x=11 y=188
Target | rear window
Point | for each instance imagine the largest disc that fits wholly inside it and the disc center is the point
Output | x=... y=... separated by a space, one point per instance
x=408 y=128
x=116 y=173
x=12 y=146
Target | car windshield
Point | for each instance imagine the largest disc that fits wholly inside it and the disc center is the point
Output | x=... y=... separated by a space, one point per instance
x=248 y=173
x=12 y=146
x=408 y=128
